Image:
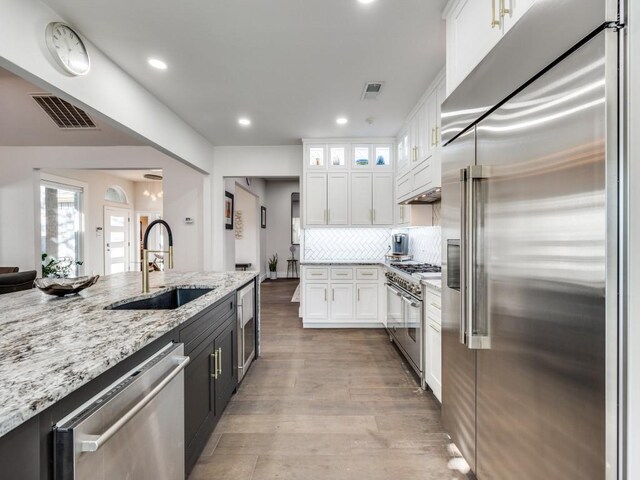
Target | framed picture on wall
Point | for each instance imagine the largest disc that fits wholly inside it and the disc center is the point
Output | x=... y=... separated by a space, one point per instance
x=228 y=211
x=263 y=217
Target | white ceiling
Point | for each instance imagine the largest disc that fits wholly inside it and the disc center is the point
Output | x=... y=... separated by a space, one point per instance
x=24 y=123
x=292 y=66
x=133 y=175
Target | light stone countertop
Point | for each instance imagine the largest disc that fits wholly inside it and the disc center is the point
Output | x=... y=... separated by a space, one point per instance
x=49 y=346
x=436 y=284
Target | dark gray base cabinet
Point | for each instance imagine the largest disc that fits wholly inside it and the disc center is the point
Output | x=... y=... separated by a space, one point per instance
x=210 y=378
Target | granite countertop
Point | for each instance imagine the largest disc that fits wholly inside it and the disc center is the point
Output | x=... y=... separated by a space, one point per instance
x=49 y=346
x=435 y=283
x=342 y=262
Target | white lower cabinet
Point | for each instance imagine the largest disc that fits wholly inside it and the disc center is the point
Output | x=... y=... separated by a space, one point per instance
x=341 y=301
x=367 y=301
x=316 y=305
x=344 y=296
x=434 y=361
x=433 y=341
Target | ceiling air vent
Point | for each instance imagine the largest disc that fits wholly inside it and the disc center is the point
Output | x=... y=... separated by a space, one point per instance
x=63 y=113
x=371 y=90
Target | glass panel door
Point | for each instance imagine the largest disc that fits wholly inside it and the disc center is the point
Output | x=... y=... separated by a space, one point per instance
x=382 y=157
x=116 y=251
x=61 y=226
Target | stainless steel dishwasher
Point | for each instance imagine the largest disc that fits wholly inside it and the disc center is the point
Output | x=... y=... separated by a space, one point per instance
x=133 y=429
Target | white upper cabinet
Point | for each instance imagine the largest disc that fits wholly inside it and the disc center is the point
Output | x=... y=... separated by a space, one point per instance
x=337 y=199
x=361 y=198
x=339 y=181
x=383 y=199
x=473 y=29
x=316 y=199
x=422 y=133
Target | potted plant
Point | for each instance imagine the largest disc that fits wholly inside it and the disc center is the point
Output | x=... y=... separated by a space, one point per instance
x=273 y=266
x=52 y=268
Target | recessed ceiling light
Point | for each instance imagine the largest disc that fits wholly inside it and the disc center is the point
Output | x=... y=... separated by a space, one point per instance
x=159 y=64
x=245 y=122
x=366 y=1
x=341 y=121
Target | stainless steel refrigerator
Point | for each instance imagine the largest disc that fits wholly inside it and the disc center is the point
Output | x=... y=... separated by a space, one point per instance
x=530 y=232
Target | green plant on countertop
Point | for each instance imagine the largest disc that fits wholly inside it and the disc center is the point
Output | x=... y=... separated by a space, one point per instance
x=273 y=263
x=52 y=268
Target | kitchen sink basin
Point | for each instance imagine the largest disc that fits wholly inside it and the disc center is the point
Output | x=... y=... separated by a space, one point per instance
x=169 y=300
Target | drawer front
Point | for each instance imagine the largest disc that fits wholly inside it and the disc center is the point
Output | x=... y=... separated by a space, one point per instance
x=366 y=273
x=316 y=273
x=434 y=309
x=342 y=274
x=192 y=334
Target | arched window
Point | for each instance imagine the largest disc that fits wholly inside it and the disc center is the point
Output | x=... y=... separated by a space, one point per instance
x=116 y=194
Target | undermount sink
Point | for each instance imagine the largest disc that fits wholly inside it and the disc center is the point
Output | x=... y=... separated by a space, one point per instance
x=169 y=300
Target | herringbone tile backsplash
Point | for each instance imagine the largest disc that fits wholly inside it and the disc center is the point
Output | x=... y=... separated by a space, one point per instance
x=346 y=243
x=425 y=244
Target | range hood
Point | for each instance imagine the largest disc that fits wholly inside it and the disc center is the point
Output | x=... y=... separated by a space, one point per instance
x=428 y=196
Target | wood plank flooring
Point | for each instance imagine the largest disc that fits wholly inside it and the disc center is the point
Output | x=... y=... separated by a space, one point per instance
x=326 y=405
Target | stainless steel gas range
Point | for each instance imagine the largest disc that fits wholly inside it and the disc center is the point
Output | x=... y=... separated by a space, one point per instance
x=405 y=309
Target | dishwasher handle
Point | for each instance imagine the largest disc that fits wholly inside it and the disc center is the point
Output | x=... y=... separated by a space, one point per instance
x=94 y=442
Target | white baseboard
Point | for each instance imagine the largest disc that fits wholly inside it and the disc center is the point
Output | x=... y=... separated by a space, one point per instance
x=343 y=325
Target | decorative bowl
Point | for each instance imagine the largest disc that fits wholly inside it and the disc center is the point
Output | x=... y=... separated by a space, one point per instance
x=64 y=286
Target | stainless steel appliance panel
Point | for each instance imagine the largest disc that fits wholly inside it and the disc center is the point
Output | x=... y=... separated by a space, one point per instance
x=246 y=329
x=458 y=362
x=410 y=335
x=134 y=429
x=548 y=30
x=541 y=383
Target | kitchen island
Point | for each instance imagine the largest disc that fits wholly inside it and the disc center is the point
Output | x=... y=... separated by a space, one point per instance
x=55 y=353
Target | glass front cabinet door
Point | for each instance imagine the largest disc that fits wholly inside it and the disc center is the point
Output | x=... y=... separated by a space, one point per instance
x=338 y=156
x=382 y=157
x=316 y=157
x=361 y=156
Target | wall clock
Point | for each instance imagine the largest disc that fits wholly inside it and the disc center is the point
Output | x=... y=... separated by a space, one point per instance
x=67 y=49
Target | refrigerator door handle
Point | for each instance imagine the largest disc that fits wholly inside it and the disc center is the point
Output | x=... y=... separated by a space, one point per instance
x=463 y=255
x=476 y=328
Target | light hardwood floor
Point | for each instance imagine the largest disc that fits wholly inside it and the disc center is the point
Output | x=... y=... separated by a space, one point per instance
x=326 y=405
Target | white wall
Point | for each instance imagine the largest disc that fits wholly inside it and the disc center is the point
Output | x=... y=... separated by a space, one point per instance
x=247 y=247
x=107 y=91
x=633 y=301
x=186 y=194
x=97 y=183
x=264 y=162
x=279 y=221
x=146 y=203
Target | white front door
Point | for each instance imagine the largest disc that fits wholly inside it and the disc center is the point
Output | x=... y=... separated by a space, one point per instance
x=117 y=223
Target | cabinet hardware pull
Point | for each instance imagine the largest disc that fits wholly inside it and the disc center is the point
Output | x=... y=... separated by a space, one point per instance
x=374 y=215
x=494 y=23
x=437 y=135
x=504 y=10
x=358 y=294
x=219 y=361
x=325 y=294
x=333 y=294
x=329 y=215
x=366 y=273
x=214 y=368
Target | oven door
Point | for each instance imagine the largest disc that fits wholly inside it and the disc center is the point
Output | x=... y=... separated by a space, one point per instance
x=410 y=335
x=395 y=309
